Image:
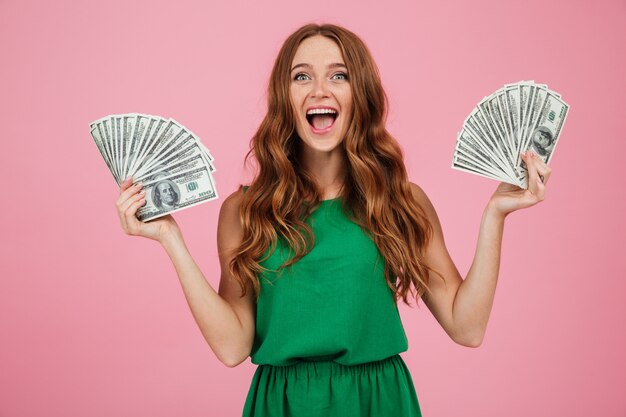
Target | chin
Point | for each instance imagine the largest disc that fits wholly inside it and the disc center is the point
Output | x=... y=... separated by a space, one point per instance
x=321 y=145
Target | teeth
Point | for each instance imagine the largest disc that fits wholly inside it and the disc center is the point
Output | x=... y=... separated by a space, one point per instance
x=321 y=111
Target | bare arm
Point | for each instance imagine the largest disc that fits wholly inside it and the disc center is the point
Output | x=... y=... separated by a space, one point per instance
x=463 y=306
x=226 y=320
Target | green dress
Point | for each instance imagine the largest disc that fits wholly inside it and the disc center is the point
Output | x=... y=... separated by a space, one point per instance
x=328 y=333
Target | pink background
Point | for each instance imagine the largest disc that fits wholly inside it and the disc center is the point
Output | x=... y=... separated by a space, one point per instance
x=94 y=323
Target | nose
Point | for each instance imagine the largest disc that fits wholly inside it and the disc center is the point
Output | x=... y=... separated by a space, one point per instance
x=319 y=88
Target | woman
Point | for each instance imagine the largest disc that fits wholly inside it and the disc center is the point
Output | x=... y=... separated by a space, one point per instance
x=328 y=237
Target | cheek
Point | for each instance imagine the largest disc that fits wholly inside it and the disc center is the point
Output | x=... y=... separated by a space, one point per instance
x=348 y=109
x=297 y=95
x=348 y=104
x=296 y=103
x=300 y=123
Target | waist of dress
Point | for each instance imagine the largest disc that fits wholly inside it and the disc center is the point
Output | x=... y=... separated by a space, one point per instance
x=316 y=368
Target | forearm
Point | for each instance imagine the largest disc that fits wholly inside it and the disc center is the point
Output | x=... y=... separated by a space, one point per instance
x=215 y=317
x=474 y=298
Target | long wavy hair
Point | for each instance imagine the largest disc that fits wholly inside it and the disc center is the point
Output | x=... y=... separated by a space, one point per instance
x=376 y=193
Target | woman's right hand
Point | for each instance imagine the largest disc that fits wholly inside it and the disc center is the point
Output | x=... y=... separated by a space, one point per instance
x=130 y=199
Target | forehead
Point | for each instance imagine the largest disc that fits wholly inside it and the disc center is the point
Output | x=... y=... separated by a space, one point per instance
x=318 y=51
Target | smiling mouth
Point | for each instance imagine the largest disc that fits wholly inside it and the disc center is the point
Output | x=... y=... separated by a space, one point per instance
x=321 y=119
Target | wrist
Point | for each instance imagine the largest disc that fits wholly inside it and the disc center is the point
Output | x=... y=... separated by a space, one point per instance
x=492 y=211
x=170 y=239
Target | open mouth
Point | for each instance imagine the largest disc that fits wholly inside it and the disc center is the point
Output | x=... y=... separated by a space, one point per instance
x=321 y=119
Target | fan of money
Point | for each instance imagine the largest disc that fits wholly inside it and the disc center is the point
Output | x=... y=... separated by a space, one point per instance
x=514 y=119
x=175 y=168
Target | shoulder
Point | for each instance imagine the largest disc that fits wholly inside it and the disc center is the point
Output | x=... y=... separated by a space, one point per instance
x=418 y=192
x=422 y=199
x=428 y=210
x=229 y=222
x=233 y=201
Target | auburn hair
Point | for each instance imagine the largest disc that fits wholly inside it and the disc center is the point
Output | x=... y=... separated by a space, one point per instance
x=376 y=193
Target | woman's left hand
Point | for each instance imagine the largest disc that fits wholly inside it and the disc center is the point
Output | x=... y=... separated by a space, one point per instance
x=507 y=198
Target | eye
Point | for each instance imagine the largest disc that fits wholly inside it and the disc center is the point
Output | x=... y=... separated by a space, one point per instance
x=301 y=77
x=340 y=76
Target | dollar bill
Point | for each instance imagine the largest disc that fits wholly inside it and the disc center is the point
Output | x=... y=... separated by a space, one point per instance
x=173 y=164
x=546 y=130
x=177 y=192
x=148 y=141
x=517 y=117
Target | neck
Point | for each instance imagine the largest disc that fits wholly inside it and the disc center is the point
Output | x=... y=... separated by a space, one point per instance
x=328 y=169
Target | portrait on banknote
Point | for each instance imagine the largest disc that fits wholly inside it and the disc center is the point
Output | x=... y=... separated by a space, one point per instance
x=165 y=195
x=542 y=141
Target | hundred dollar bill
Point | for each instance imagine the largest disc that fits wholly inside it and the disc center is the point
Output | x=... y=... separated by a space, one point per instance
x=106 y=132
x=476 y=128
x=175 y=167
x=208 y=157
x=97 y=137
x=528 y=92
x=546 y=130
x=469 y=144
x=469 y=150
x=517 y=117
x=116 y=137
x=190 y=160
x=537 y=104
x=138 y=124
x=512 y=108
x=171 y=194
x=485 y=114
x=462 y=164
x=128 y=126
x=169 y=132
x=499 y=107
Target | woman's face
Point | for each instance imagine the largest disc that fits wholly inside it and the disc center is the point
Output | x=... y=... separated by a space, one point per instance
x=321 y=96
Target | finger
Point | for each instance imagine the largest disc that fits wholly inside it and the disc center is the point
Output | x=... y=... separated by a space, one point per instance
x=133 y=223
x=542 y=168
x=126 y=183
x=127 y=193
x=535 y=185
x=122 y=220
x=123 y=205
x=131 y=200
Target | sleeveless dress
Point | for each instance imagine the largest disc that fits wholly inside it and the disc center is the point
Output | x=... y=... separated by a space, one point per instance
x=328 y=333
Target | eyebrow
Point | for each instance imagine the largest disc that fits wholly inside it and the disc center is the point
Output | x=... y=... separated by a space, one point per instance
x=334 y=65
